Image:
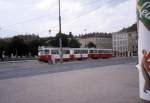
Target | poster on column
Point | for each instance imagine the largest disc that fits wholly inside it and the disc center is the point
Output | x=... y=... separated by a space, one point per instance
x=143 y=22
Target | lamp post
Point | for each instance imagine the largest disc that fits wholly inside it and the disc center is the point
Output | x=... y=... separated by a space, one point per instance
x=60 y=39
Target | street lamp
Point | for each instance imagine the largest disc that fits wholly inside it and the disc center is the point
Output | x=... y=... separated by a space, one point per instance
x=60 y=39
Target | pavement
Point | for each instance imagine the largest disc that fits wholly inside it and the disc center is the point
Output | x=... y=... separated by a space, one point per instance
x=107 y=84
x=16 y=61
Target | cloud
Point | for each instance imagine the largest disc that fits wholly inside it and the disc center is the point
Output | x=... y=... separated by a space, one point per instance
x=106 y=18
x=77 y=15
x=116 y=2
x=71 y=7
x=5 y=5
x=44 y=4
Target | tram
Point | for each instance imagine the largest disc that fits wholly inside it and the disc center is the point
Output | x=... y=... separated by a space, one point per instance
x=46 y=54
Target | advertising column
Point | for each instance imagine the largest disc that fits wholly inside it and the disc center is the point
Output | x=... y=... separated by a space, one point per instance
x=143 y=22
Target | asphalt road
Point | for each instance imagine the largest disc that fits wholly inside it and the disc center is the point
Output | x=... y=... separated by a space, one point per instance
x=10 y=70
x=95 y=81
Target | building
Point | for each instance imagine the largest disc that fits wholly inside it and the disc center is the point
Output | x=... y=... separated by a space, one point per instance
x=125 y=42
x=101 y=40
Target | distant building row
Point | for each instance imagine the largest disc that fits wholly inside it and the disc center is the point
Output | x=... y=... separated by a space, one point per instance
x=123 y=43
x=101 y=40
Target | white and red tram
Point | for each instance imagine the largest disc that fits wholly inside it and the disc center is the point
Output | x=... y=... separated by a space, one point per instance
x=47 y=53
x=100 y=53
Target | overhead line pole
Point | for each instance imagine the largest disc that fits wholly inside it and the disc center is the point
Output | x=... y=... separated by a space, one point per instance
x=60 y=39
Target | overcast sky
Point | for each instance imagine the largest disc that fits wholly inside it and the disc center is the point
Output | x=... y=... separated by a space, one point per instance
x=78 y=16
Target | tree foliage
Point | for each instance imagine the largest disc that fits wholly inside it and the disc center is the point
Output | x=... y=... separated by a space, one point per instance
x=67 y=41
x=3 y=47
x=73 y=42
x=91 y=45
x=27 y=45
x=55 y=41
x=33 y=47
x=19 y=48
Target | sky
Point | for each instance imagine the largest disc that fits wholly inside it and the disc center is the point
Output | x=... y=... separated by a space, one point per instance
x=78 y=16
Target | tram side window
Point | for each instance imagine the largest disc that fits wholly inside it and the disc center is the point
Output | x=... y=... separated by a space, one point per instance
x=109 y=51
x=84 y=51
x=54 y=52
x=103 y=51
x=99 y=51
x=46 y=52
x=66 y=51
x=91 y=51
x=95 y=51
x=106 y=51
x=87 y=51
x=77 y=51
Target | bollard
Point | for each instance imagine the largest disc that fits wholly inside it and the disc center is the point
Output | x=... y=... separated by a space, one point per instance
x=143 y=24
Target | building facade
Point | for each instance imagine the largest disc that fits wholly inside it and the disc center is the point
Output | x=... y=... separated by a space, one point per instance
x=125 y=43
x=101 y=40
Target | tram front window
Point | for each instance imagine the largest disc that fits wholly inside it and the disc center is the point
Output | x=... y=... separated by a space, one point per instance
x=46 y=52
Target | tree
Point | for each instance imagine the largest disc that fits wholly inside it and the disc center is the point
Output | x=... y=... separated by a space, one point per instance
x=22 y=45
x=73 y=42
x=33 y=46
x=3 y=46
x=67 y=41
x=91 y=45
x=9 y=48
x=18 y=46
x=55 y=41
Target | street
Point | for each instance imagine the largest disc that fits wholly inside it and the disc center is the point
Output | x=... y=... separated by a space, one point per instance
x=93 y=81
x=30 y=68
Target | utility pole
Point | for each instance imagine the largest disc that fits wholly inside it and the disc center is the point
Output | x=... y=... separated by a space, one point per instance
x=60 y=39
x=85 y=30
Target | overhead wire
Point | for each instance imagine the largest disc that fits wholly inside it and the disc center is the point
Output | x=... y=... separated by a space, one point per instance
x=78 y=17
x=41 y=17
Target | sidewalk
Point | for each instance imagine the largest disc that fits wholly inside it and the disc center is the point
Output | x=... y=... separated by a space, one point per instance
x=15 y=61
x=110 y=84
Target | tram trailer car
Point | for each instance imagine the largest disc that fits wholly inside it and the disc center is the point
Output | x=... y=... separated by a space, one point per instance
x=100 y=53
x=80 y=53
x=48 y=54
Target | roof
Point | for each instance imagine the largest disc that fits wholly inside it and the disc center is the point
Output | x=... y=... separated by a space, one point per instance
x=102 y=35
x=132 y=28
